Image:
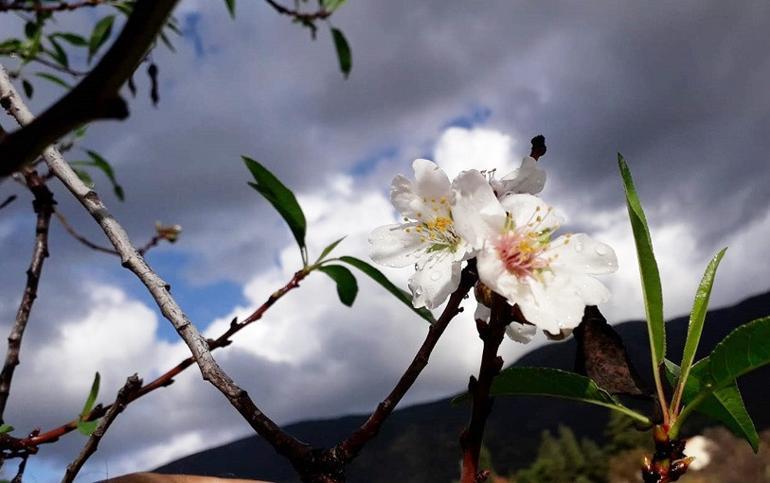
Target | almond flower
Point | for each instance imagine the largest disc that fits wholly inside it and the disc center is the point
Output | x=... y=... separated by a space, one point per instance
x=550 y=280
x=528 y=178
x=427 y=238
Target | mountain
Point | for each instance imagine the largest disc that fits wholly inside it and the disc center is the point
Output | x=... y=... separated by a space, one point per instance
x=420 y=443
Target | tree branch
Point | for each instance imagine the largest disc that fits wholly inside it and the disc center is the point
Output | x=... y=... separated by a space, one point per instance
x=43 y=206
x=38 y=7
x=125 y=395
x=304 y=17
x=95 y=97
x=350 y=447
x=283 y=443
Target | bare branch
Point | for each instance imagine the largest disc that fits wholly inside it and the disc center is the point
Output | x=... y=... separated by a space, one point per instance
x=125 y=395
x=77 y=236
x=304 y=17
x=7 y=201
x=43 y=206
x=95 y=97
x=38 y=7
x=349 y=448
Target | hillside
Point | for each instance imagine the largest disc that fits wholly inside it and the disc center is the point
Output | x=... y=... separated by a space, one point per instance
x=419 y=443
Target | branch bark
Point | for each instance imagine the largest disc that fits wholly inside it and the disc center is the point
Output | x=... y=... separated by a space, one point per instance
x=38 y=7
x=132 y=385
x=43 y=206
x=296 y=451
x=95 y=97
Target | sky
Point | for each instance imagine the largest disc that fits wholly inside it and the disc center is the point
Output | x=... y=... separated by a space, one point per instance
x=680 y=88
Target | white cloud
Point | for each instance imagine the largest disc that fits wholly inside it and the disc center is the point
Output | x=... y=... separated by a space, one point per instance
x=458 y=149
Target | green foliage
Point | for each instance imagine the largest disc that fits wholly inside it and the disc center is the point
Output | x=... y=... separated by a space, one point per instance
x=99 y=35
x=97 y=161
x=230 y=4
x=698 y=315
x=347 y=287
x=623 y=435
x=564 y=458
x=344 y=54
x=542 y=381
x=5 y=428
x=329 y=249
x=54 y=79
x=743 y=350
x=282 y=199
x=84 y=426
x=332 y=5
x=648 y=267
x=381 y=279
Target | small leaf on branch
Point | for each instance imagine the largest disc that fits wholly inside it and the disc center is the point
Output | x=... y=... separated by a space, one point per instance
x=648 y=267
x=743 y=350
x=73 y=39
x=332 y=5
x=99 y=35
x=329 y=249
x=282 y=199
x=5 y=428
x=344 y=55
x=98 y=161
x=28 y=89
x=381 y=279
x=52 y=78
x=347 y=287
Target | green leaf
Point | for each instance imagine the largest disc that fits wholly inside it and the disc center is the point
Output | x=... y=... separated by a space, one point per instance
x=347 y=287
x=58 y=54
x=52 y=78
x=91 y=400
x=99 y=35
x=381 y=279
x=743 y=350
x=99 y=162
x=73 y=39
x=329 y=249
x=28 y=89
x=724 y=405
x=343 y=51
x=85 y=177
x=648 y=267
x=698 y=314
x=5 y=428
x=282 y=199
x=332 y=5
x=87 y=428
x=230 y=7
x=543 y=381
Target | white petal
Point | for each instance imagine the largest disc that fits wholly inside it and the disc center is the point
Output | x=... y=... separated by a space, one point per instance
x=477 y=213
x=438 y=278
x=393 y=246
x=404 y=198
x=591 y=290
x=555 y=305
x=430 y=181
x=581 y=254
x=493 y=274
x=482 y=312
x=521 y=333
x=531 y=211
x=528 y=178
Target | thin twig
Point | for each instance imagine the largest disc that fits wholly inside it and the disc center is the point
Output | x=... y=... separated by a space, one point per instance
x=38 y=7
x=43 y=206
x=297 y=452
x=299 y=15
x=125 y=395
x=167 y=378
x=22 y=466
x=77 y=236
x=7 y=201
x=95 y=97
x=492 y=334
x=350 y=447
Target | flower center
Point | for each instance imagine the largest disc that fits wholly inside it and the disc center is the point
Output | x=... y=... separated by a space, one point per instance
x=438 y=233
x=521 y=252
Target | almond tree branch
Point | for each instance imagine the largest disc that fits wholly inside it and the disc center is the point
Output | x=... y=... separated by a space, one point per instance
x=167 y=378
x=492 y=334
x=348 y=449
x=95 y=97
x=43 y=206
x=77 y=236
x=38 y=7
x=306 y=17
x=296 y=451
x=133 y=383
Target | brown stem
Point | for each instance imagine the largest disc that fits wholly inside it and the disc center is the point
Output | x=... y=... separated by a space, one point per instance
x=349 y=448
x=38 y=7
x=491 y=334
x=167 y=378
x=77 y=236
x=43 y=206
x=132 y=385
x=95 y=97
x=298 y=15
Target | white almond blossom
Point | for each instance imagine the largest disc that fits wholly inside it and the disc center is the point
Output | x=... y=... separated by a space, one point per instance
x=427 y=238
x=550 y=280
x=528 y=178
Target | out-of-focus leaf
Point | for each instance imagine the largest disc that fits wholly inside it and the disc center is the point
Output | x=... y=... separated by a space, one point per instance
x=85 y=177
x=73 y=39
x=230 y=7
x=58 y=53
x=381 y=279
x=92 y=395
x=347 y=287
x=99 y=35
x=29 y=90
x=52 y=78
x=332 y=5
x=5 y=428
x=344 y=55
x=100 y=163
x=87 y=428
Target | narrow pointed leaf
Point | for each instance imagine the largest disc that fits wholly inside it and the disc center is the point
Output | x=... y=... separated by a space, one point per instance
x=332 y=5
x=282 y=199
x=230 y=7
x=347 y=287
x=344 y=55
x=99 y=35
x=543 y=381
x=698 y=314
x=329 y=248
x=87 y=428
x=98 y=161
x=52 y=78
x=648 y=267
x=381 y=279
x=724 y=405
x=74 y=39
x=92 y=395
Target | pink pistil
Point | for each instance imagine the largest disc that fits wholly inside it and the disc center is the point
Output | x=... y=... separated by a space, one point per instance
x=520 y=254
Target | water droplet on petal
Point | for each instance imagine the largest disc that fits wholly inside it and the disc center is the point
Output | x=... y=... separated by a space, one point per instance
x=578 y=246
x=435 y=275
x=601 y=250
